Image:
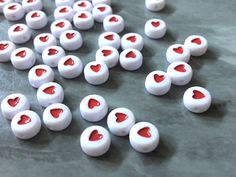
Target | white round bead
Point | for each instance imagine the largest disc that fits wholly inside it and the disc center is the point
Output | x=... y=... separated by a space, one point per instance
x=6 y=48
x=26 y=124
x=155 y=5
x=44 y=40
x=197 y=45
x=36 y=19
x=108 y=55
x=50 y=93
x=177 y=52
x=158 y=83
x=95 y=141
x=39 y=75
x=60 y=26
x=83 y=20
x=155 y=28
x=120 y=121
x=132 y=41
x=96 y=2
x=52 y=55
x=13 y=12
x=101 y=11
x=64 y=2
x=109 y=39
x=93 y=108
x=13 y=104
x=144 y=137
x=82 y=6
x=113 y=23
x=180 y=72
x=64 y=12
x=30 y=5
x=57 y=117
x=96 y=73
x=19 y=33
x=23 y=58
x=197 y=99
x=70 y=67
x=71 y=40
x=3 y=3
x=131 y=59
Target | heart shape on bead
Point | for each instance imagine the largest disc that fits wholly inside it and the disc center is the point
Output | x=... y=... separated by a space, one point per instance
x=95 y=68
x=34 y=15
x=196 y=41
x=93 y=103
x=21 y=54
x=3 y=46
x=18 y=28
x=95 y=136
x=30 y=1
x=178 y=50
x=63 y=10
x=24 y=119
x=131 y=39
x=49 y=90
x=101 y=9
x=130 y=54
x=52 y=52
x=39 y=72
x=82 y=4
x=109 y=37
x=145 y=132
x=155 y=23
x=83 y=15
x=180 y=68
x=13 y=7
x=56 y=112
x=198 y=95
x=106 y=52
x=69 y=62
x=70 y=35
x=121 y=117
x=113 y=19
x=158 y=78
x=60 y=25
x=44 y=38
x=13 y=102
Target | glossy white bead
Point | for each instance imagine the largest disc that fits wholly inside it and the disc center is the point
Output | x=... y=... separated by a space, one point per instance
x=31 y=5
x=44 y=40
x=109 y=39
x=197 y=45
x=113 y=23
x=132 y=41
x=19 y=33
x=83 y=20
x=64 y=2
x=82 y=6
x=155 y=28
x=100 y=12
x=64 y=12
x=177 y=52
x=60 y=26
x=52 y=55
x=155 y=5
x=71 y=40
x=13 y=12
x=6 y=48
x=3 y=3
x=36 y=19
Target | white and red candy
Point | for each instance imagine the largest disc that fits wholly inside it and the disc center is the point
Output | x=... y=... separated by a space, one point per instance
x=19 y=33
x=158 y=83
x=100 y=11
x=96 y=73
x=31 y=5
x=155 y=5
x=178 y=52
x=3 y=3
x=180 y=73
x=70 y=66
x=13 y=104
x=13 y=11
x=144 y=137
x=197 y=99
x=71 y=40
x=131 y=59
x=60 y=26
x=82 y=6
x=132 y=41
x=44 y=40
x=23 y=58
x=6 y=48
x=95 y=141
x=93 y=108
x=39 y=75
x=26 y=124
x=83 y=20
x=57 y=117
x=109 y=55
x=64 y=12
x=52 y=55
x=120 y=121
x=50 y=93
x=109 y=39
x=155 y=28
x=197 y=45
x=113 y=23
x=36 y=19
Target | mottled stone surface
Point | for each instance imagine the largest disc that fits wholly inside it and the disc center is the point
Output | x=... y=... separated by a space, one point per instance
x=191 y=145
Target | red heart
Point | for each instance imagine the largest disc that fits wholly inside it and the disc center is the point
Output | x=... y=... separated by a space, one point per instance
x=106 y=52
x=13 y=7
x=180 y=68
x=52 y=52
x=95 y=136
x=109 y=37
x=2 y=0
x=18 y=28
x=64 y=10
x=21 y=54
x=13 y=102
x=120 y=117
x=24 y=119
x=60 y=25
x=131 y=38
x=145 y=132
x=29 y=1
x=196 y=41
x=198 y=95
x=3 y=46
x=130 y=54
x=113 y=19
x=69 y=62
x=44 y=38
x=39 y=72
x=179 y=50
x=95 y=68
x=102 y=9
x=93 y=103
x=34 y=15
x=159 y=78
x=83 y=15
x=56 y=112
x=49 y=90
x=70 y=35
x=156 y=24
x=82 y=4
